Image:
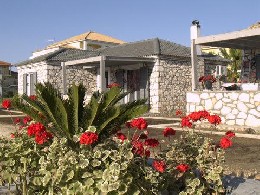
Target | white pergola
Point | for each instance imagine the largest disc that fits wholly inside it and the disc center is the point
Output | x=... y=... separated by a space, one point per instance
x=244 y=39
x=101 y=62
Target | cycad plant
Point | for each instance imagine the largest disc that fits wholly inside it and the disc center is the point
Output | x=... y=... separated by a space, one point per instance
x=69 y=117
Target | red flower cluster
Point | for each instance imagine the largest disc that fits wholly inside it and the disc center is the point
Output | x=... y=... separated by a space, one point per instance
x=17 y=121
x=138 y=148
x=230 y=134
x=6 y=104
x=40 y=133
x=207 y=78
x=168 y=132
x=121 y=136
x=214 y=119
x=183 y=167
x=88 y=138
x=159 y=166
x=33 y=97
x=113 y=85
x=139 y=123
x=225 y=143
x=151 y=142
x=26 y=120
x=200 y=115
x=185 y=122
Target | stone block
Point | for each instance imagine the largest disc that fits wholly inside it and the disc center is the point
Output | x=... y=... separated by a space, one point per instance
x=257 y=97
x=219 y=96
x=252 y=121
x=204 y=96
x=244 y=97
x=208 y=104
x=226 y=100
x=230 y=122
x=192 y=97
x=234 y=111
x=218 y=105
x=192 y=108
x=225 y=110
x=254 y=112
x=242 y=107
x=240 y=121
x=230 y=116
x=234 y=96
x=242 y=115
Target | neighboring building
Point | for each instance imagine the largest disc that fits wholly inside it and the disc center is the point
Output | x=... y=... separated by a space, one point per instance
x=155 y=69
x=86 y=41
x=8 y=80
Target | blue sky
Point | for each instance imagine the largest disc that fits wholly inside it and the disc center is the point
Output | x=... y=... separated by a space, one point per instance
x=27 y=25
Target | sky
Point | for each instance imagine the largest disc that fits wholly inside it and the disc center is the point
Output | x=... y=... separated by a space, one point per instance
x=29 y=25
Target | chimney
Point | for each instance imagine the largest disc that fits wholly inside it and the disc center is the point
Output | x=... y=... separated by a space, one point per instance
x=195 y=33
x=85 y=45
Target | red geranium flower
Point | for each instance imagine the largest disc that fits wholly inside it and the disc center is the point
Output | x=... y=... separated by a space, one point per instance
x=214 y=119
x=151 y=142
x=185 y=122
x=138 y=148
x=139 y=123
x=147 y=153
x=121 y=136
x=113 y=85
x=230 y=134
x=6 y=104
x=88 y=138
x=159 y=166
x=12 y=135
x=42 y=137
x=26 y=120
x=35 y=128
x=33 y=97
x=225 y=142
x=182 y=167
x=17 y=120
x=168 y=132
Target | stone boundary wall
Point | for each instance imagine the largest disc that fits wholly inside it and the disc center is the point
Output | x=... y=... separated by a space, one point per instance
x=241 y=108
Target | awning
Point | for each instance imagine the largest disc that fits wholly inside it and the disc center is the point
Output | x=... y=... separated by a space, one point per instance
x=244 y=39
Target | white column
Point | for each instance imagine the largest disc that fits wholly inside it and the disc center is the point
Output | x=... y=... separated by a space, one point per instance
x=64 y=79
x=102 y=77
x=85 y=45
x=194 y=33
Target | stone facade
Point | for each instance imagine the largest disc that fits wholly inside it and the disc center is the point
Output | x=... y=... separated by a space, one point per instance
x=234 y=107
x=53 y=74
x=174 y=82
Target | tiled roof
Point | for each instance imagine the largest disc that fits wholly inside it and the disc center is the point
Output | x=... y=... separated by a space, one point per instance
x=88 y=35
x=2 y=63
x=134 y=49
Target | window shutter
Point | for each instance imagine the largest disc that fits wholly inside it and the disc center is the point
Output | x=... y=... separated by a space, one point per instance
x=25 y=83
x=144 y=93
x=33 y=80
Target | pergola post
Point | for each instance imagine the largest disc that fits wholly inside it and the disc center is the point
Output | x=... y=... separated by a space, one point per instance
x=194 y=32
x=102 y=76
x=64 y=79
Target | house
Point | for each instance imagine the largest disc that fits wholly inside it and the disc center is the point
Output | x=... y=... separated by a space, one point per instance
x=239 y=108
x=8 y=80
x=155 y=69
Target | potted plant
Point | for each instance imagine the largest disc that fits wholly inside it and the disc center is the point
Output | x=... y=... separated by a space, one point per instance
x=207 y=81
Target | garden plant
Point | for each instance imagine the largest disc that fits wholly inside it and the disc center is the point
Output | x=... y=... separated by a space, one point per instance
x=66 y=147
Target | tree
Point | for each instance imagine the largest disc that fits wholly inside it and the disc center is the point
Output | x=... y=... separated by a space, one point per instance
x=235 y=56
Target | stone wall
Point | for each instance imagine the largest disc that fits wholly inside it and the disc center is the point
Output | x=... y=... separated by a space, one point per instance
x=234 y=107
x=174 y=81
x=88 y=77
